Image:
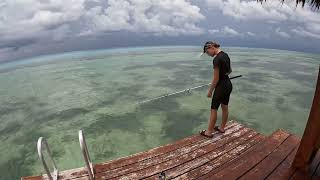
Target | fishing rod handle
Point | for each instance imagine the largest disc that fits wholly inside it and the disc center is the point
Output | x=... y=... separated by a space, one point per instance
x=234 y=77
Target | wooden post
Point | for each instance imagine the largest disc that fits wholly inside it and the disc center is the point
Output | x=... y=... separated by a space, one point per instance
x=311 y=137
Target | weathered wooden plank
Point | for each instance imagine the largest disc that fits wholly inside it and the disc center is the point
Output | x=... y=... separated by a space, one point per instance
x=300 y=175
x=128 y=160
x=32 y=178
x=285 y=169
x=227 y=157
x=267 y=165
x=81 y=172
x=74 y=173
x=315 y=167
x=173 y=154
x=198 y=162
x=67 y=174
x=155 y=169
x=81 y=178
x=238 y=153
x=113 y=164
x=312 y=171
x=249 y=159
x=188 y=166
x=316 y=175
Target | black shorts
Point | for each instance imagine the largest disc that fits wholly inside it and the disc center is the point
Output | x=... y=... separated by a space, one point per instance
x=221 y=94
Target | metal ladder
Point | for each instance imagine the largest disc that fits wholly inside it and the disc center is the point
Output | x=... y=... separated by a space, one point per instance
x=42 y=141
x=86 y=157
x=55 y=174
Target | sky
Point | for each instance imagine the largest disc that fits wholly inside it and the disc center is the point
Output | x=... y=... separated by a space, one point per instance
x=31 y=28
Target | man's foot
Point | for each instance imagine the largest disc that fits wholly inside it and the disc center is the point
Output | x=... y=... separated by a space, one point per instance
x=217 y=128
x=204 y=133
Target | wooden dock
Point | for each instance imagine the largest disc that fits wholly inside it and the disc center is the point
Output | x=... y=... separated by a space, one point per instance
x=239 y=153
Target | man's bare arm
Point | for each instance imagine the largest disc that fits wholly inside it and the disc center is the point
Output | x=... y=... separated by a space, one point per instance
x=215 y=79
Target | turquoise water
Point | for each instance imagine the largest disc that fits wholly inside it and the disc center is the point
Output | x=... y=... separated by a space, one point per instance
x=98 y=91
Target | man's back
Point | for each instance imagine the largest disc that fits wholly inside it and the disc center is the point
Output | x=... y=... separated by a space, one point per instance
x=222 y=61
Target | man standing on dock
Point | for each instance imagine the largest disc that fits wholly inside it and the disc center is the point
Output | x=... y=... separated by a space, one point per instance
x=221 y=85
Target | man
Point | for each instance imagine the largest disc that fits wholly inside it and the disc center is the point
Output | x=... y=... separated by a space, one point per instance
x=221 y=85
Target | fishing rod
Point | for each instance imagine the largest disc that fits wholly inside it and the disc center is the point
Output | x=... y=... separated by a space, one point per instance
x=182 y=91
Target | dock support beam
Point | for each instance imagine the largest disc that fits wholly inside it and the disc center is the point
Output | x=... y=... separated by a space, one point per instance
x=310 y=141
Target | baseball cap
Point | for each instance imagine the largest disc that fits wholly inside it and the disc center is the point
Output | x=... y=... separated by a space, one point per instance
x=208 y=45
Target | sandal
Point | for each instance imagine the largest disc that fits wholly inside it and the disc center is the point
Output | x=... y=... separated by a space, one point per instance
x=218 y=129
x=203 y=133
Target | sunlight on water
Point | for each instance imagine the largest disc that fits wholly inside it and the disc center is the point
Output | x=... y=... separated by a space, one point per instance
x=98 y=92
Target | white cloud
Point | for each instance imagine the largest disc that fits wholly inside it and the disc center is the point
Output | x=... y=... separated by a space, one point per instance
x=229 y=31
x=250 y=33
x=310 y=28
x=273 y=12
x=282 y=33
x=250 y=10
x=215 y=3
x=56 y=19
x=253 y=10
x=304 y=33
x=153 y=16
x=213 y=31
x=226 y=31
x=33 y=18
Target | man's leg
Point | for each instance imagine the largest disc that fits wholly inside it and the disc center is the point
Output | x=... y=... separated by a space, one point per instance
x=225 y=113
x=212 y=121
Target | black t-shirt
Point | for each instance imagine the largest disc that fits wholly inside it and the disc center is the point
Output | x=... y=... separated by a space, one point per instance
x=222 y=61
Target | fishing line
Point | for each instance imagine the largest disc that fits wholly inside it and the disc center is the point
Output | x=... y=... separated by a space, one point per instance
x=179 y=92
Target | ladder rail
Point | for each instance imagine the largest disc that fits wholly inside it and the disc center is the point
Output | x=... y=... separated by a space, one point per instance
x=42 y=141
x=86 y=157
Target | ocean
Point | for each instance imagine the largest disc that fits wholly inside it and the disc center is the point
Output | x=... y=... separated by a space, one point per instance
x=99 y=92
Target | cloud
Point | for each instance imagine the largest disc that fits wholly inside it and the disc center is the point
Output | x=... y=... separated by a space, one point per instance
x=35 y=19
x=310 y=29
x=5 y=53
x=153 y=16
x=250 y=33
x=252 y=10
x=226 y=31
x=215 y=3
x=16 y=44
x=231 y=32
x=33 y=27
x=273 y=13
x=58 y=19
x=213 y=31
x=300 y=31
x=282 y=33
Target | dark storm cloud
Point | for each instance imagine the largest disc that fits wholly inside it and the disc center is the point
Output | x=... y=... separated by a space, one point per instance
x=17 y=44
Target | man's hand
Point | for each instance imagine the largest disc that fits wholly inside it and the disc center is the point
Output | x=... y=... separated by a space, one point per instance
x=209 y=94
